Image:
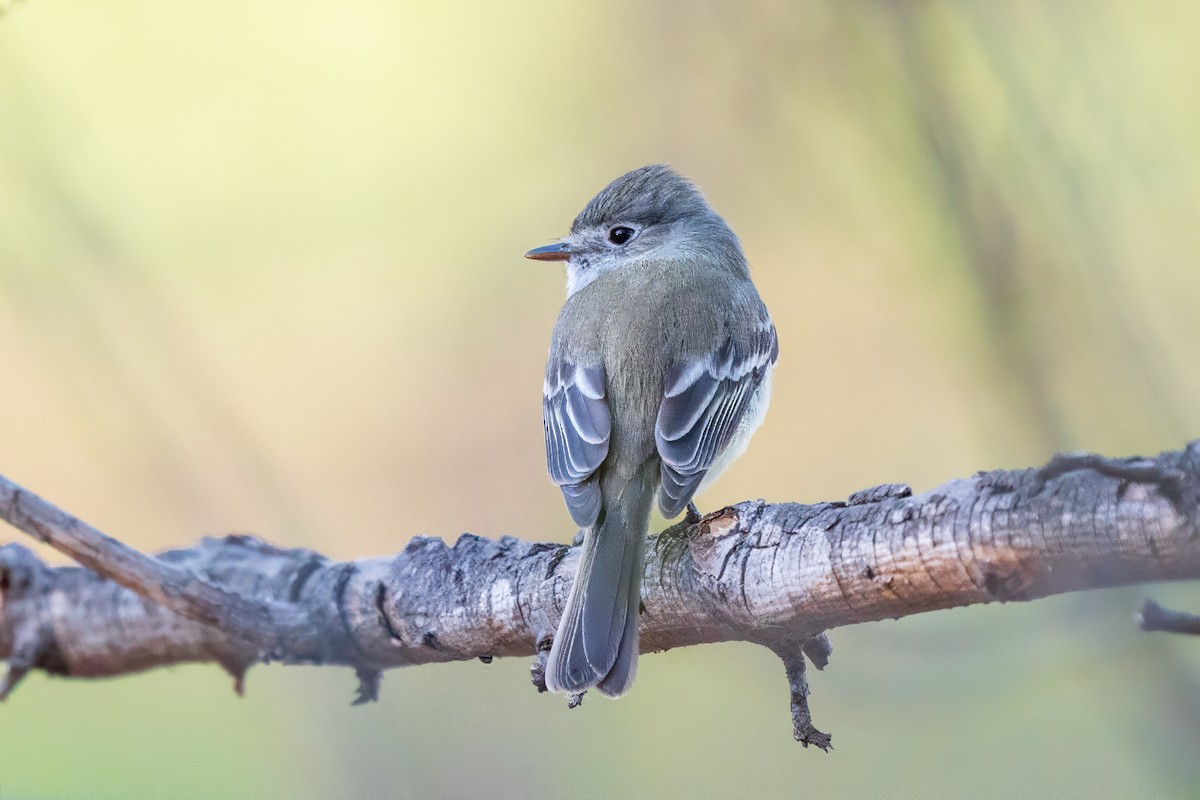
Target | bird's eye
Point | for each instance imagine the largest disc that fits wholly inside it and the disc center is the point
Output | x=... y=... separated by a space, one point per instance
x=620 y=234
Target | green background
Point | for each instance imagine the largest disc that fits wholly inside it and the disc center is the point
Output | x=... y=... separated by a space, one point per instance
x=260 y=270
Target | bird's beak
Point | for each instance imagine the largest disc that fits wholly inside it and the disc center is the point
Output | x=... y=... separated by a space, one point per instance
x=551 y=252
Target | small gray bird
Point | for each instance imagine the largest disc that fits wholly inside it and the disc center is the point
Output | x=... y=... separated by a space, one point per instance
x=659 y=372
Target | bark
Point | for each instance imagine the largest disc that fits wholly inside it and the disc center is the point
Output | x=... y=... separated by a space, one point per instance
x=779 y=575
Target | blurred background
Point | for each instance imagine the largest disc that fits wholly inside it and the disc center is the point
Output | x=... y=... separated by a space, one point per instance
x=260 y=270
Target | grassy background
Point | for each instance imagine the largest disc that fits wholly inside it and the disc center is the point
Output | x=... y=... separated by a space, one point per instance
x=260 y=271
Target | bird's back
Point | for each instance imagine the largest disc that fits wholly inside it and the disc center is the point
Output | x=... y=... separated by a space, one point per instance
x=626 y=320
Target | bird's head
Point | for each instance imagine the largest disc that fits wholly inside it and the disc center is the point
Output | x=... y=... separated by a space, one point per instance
x=649 y=214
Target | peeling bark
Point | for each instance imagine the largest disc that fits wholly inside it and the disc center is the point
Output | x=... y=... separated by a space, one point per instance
x=779 y=575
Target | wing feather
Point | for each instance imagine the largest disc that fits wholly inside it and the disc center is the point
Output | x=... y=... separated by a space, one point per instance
x=577 y=426
x=704 y=401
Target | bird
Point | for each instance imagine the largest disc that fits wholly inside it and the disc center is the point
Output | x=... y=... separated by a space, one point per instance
x=658 y=374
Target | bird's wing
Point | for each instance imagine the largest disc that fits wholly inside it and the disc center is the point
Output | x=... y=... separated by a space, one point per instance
x=704 y=400
x=577 y=425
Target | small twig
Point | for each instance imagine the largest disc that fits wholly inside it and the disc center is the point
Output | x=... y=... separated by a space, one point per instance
x=877 y=494
x=818 y=649
x=1136 y=470
x=793 y=662
x=1130 y=470
x=369 y=683
x=179 y=590
x=537 y=670
x=1154 y=617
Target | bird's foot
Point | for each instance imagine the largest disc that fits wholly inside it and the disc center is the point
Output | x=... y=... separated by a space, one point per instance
x=693 y=514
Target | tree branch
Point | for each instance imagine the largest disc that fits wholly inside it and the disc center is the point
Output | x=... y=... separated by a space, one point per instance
x=779 y=575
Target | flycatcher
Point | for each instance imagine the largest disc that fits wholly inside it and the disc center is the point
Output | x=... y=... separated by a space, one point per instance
x=659 y=372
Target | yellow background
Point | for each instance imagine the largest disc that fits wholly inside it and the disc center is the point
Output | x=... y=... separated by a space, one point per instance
x=260 y=270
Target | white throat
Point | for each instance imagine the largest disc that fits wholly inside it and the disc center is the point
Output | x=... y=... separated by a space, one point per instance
x=579 y=277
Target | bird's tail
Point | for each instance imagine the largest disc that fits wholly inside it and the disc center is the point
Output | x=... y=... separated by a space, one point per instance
x=597 y=640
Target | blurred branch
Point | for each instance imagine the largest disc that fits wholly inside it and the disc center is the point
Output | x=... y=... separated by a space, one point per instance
x=779 y=575
x=986 y=225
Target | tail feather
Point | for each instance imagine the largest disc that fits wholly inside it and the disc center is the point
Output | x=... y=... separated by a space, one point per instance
x=597 y=639
x=620 y=677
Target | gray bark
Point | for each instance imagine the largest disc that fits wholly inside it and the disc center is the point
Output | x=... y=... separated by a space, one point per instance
x=779 y=575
